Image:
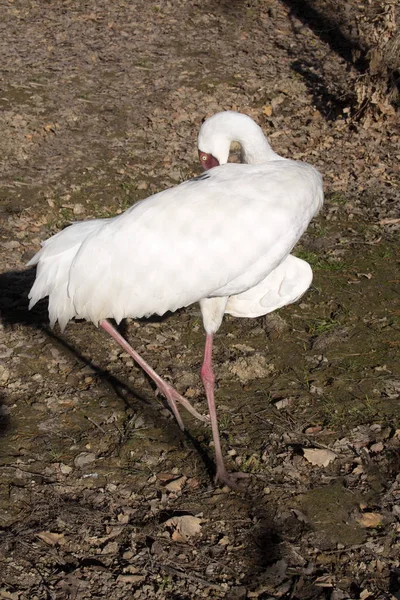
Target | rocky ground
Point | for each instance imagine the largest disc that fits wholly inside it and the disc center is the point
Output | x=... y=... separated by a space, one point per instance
x=101 y=495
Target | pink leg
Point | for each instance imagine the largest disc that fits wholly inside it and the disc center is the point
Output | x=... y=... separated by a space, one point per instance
x=208 y=378
x=167 y=390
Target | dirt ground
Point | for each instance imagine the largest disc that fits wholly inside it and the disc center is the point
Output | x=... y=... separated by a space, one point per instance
x=100 y=105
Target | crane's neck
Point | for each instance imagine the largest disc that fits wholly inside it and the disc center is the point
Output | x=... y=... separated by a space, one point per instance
x=219 y=131
x=256 y=150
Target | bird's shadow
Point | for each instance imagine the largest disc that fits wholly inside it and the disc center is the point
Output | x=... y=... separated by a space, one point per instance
x=14 y=311
x=264 y=542
x=14 y=288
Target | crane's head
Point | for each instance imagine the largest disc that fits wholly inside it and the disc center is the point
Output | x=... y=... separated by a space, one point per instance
x=219 y=131
x=215 y=138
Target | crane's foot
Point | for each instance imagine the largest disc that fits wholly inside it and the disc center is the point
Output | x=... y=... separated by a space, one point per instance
x=236 y=480
x=172 y=397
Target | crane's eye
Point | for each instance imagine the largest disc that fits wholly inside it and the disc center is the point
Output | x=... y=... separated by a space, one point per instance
x=203 y=157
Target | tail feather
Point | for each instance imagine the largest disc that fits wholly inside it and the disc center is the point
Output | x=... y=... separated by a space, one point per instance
x=53 y=267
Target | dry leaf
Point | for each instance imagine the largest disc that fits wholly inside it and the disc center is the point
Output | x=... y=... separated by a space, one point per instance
x=301 y=516
x=193 y=483
x=319 y=457
x=324 y=581
x=184 y=527
x=176 y=485
x=130 y=578
x=224 y=541
x=50 y=127
x=365 y=594
x=123 y=518
x=65 y=469
x=51 y=538
x=370 y=519
x=110 y=548
x=78 y=209
x=283 y=403
x=84 y=458
x=267 y=110
x=313 y=429
x=378 y=447
x=4 y=595
x=389 y=221
x=177 y=537
x=359 y=470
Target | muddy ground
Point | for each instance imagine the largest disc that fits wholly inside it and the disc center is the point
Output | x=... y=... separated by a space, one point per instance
x=100 y=104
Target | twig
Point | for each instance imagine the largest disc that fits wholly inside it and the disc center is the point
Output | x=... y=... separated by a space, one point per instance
x=95 y=424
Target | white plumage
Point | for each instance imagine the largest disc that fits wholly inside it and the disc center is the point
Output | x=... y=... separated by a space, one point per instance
x=202 y=238
x=284 y=285
x=223 y=239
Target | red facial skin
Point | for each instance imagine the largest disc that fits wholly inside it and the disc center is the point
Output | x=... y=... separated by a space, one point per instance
x=208 y=161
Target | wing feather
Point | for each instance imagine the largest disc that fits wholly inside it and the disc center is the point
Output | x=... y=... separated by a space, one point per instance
x=212 y=236
x=284 y=285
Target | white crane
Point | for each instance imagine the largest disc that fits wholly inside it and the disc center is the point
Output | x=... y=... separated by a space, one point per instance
x=222 y=239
